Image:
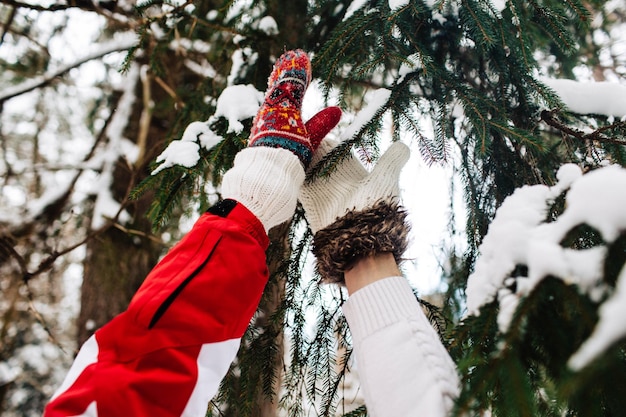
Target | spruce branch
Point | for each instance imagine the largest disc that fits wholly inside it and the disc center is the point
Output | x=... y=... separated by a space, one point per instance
x=477 y=20
x=584 y=16
x=514 y=133
x=563 y=39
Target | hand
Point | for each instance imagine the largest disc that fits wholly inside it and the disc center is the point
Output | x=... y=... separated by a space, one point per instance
x=278 y=123
x=351 y=187
x=266 y=176
x=355 y=213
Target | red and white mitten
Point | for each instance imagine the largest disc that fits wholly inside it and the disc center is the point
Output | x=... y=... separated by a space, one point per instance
x=267 y=176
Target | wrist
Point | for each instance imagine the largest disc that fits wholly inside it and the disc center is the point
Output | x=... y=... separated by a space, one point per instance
x=370 y=269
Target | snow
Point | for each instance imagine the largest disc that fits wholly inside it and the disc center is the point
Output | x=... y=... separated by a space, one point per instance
x=106 y=206
x=610 y=328
x=268 y=26
x=604 y=98
x=7 y=373
x=354 y=6
x=240 y=59
x=186 y=151
x=397 y=4
x=412 y=63
x=499 y=5
x=593 y=200
x=520 y=235
x=203 y=69
x=123 y=43
x=36 y=207
x=545 y=255
x=178 y=152
x=505 y=244
x=238 y=102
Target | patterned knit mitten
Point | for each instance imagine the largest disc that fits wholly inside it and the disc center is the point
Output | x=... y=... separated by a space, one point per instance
x=279 y=124
x=266 y=176
x=355 y=213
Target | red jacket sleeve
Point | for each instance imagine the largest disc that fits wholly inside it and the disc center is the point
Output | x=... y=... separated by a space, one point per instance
x=166 y=354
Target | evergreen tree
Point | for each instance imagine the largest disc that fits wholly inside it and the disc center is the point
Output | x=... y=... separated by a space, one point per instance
x=462 y=82
x=473 y=69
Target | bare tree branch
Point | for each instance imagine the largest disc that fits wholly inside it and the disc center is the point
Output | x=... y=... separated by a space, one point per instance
x=146 y=116
x=7 y=24
x=550 y=119
x=72 y=4
x=43 y=80
x=7 y=242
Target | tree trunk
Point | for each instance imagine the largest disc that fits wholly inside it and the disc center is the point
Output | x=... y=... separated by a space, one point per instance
x=115 y=267
x=119 y=259
x=272 y=299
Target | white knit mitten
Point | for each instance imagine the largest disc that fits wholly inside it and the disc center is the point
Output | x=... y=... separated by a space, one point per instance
x=351 y=187
x=355 y=213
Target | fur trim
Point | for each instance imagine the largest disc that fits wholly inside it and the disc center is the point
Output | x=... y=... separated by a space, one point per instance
x=380 y=228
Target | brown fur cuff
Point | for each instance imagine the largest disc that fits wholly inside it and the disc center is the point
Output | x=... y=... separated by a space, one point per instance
x=380 y=228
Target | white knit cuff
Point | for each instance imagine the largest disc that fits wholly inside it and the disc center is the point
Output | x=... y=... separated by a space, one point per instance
x=266 y=181
x=379 y=305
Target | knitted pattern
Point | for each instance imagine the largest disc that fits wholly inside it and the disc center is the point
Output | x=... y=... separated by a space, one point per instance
x=351 y=186
x=266 y=181
x=278 y=124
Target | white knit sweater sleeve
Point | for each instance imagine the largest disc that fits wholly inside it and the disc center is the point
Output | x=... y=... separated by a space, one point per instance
x=403 y=367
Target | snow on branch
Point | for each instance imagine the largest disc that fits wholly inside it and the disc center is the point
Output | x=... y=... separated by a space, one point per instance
x=236 y=103
x=522 y=235
x=604 y=98
x=609 y=329
x=86 y=5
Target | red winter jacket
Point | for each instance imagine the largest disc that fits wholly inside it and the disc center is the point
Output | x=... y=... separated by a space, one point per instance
x=167 y=353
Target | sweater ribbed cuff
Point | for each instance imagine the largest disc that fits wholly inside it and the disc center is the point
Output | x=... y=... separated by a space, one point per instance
x=379 y=305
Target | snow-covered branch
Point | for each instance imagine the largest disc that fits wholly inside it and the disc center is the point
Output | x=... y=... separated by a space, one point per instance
x=605 y=98
x=85 y=5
